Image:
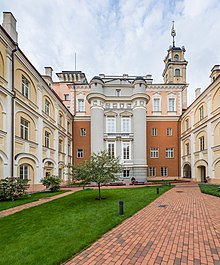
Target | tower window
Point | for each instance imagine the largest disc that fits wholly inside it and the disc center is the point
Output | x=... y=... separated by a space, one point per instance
x=176 y=57
x=177 y=72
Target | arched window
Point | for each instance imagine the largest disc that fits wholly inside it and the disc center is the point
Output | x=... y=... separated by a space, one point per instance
x=177 y=72
x=176 y=57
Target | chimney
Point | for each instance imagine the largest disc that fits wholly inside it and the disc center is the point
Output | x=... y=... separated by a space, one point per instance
x=9 y=24
x=197 y=92
x=48 y=71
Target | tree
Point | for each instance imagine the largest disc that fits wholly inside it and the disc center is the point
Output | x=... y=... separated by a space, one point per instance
x=100 y=168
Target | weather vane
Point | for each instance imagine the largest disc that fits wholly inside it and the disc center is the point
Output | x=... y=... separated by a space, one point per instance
x=173 y=34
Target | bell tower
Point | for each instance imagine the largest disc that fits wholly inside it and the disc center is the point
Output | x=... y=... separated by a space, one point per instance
x=175 y=63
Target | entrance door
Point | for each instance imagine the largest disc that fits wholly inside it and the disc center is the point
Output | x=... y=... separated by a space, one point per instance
x=187 y=171
x=203 y=173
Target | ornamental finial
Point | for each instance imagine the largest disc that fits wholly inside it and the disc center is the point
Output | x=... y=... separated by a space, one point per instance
x=173 y=34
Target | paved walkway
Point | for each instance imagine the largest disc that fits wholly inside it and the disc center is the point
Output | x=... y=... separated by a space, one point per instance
x=36 y=203
x=180 y=227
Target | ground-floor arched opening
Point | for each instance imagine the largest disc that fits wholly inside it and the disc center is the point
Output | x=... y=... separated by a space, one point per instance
x=48 y=169
x=202 y=173
x=187 y=171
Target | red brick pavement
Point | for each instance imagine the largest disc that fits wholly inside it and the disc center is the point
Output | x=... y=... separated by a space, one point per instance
x=36 y=203
x=180 y=227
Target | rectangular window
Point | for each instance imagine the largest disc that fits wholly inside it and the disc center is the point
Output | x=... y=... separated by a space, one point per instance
x=47 y=107
x=126 y=173
x=111 y=125
x=68 y=126
x=60 y=173
x=156 y=106
x=201 y=113
x=126 y=151
x=125 y=126
x=69 y=149
x=152 y=171
x=164 y=171
x=111 y=149
x=60 y=146
x=24 y=128
x=187 y=149
x=47 y=139
x=169 y=131
x=81 y=105
x=154 y=131
x=82 y=132
x=187 y=124
x=171 y=104
x=60 y=119
x=169 y=153
x=202 y=143
x=25 y=87
x=154 y=152
x=80 y=153
x=24 y=172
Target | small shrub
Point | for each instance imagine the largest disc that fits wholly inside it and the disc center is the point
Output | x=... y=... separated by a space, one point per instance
x=12 y=188
x=52 y=183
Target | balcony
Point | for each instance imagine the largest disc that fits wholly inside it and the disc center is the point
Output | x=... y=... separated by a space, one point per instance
x=119 y=136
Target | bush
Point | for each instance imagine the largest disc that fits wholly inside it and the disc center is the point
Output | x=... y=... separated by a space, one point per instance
x=52 y=183
x=12 y=188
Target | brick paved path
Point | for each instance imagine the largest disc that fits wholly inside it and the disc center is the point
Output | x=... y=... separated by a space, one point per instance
x=36 y=203
x=180 y=227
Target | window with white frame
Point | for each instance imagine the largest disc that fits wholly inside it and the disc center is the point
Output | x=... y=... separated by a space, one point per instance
x=81 y=105
x=80 y=153
x=154 y=152
x=82 y=131
x=24 y=171
x=126 y=151
x=47 y=139
x=202 y=143
x=60 y=173
x=25 y=87
x=171 y=104
x=164 y=171
x=125 y=124
x=187 y=124
x=47 y=107
x=169 y=152
x=201 y=113
x=154 y=131
x=152 y=171
x=187 y=149
x=24 y=128
x=156 y=104
x=169 y=132
x=126 y=173
x=111 y=124
x=111 y=149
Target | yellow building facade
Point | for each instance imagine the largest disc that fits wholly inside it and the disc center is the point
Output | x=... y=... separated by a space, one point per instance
x=35 y=125
x=200 y=134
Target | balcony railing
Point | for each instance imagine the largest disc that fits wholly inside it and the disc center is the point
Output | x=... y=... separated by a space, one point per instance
x=119 y=135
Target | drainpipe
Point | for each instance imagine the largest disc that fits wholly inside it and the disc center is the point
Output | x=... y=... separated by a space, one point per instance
x=12 y=113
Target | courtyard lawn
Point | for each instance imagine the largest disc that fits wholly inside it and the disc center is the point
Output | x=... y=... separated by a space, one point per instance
x=28 y=198
x=210 y=189
x=53 y=232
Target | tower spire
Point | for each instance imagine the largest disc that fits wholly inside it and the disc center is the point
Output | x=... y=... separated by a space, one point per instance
x=173 y=34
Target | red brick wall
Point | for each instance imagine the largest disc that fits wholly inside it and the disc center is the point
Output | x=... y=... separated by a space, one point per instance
x=81 y=142
x=162 y=141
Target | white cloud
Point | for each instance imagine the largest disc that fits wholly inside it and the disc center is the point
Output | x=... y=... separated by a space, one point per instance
x=118 y=36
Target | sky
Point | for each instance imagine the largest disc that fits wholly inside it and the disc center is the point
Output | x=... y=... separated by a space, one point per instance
x=118 y=36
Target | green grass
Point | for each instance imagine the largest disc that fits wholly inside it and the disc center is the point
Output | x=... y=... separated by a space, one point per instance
x=51 y=233
x=27 y=198
x=210 y=189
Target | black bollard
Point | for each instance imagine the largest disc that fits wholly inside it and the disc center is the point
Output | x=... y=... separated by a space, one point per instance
x=157 y=190
x=121 y=208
